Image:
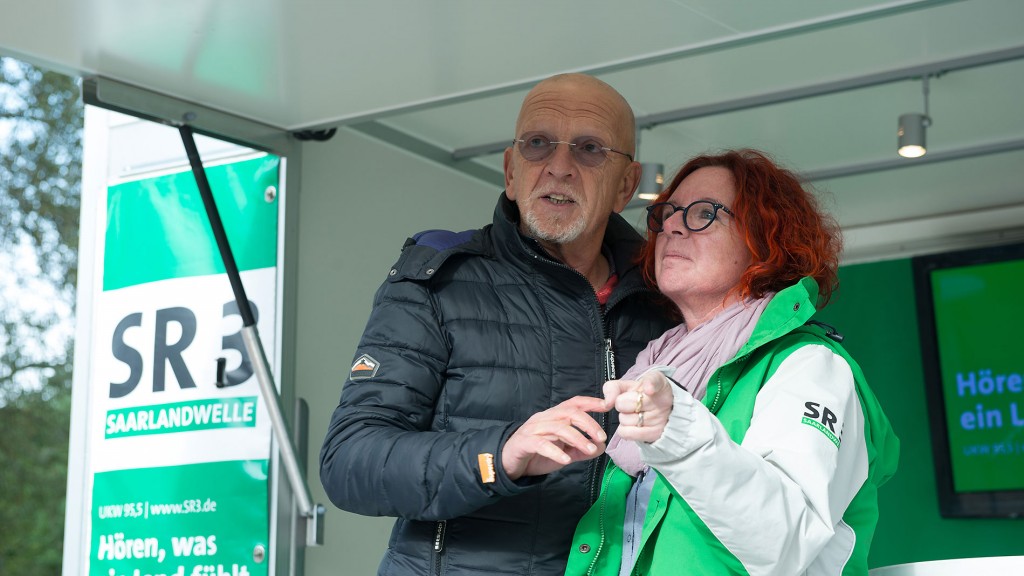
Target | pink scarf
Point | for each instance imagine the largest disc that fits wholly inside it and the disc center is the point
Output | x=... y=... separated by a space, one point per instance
x=695 y=355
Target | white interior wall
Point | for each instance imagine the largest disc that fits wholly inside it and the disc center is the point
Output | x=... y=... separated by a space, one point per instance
x=360 y=200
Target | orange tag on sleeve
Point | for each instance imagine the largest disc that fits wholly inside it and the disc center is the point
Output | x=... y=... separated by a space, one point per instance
x=486 y=462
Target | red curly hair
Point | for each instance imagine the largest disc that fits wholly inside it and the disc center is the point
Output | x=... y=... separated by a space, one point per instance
x=787 y=233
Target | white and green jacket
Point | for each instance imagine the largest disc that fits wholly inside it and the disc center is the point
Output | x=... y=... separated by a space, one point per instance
x=775 y=472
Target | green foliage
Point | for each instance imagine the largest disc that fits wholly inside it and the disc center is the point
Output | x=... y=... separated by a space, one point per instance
x=41 y=166
x=33 y=472
x=41 y=118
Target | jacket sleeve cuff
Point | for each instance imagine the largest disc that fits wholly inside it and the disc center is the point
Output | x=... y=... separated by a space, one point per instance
x=503 y=485
x=687 y=430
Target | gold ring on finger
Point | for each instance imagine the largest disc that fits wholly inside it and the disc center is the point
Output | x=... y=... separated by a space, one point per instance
x=639 y=419
x=639 y=402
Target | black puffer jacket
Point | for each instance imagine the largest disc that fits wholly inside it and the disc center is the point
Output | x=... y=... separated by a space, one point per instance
x=470 y=335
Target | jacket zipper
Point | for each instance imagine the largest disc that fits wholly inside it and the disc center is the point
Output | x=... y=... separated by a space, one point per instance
x=718 y=393
x=609 y=363
x=609 y=359
x=609 y=356
x=718 y=381
x=438 y=546
x=600 y=523
x=610 y=373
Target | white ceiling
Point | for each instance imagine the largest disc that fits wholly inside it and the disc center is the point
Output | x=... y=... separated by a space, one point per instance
x=817 y=84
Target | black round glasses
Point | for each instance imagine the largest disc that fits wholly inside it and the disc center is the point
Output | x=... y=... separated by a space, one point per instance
x=696 y=217
x=587 y=150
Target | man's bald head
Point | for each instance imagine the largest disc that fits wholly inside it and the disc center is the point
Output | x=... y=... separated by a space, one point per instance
x=581 y=90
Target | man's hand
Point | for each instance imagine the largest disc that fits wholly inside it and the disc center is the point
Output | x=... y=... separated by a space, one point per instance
x=643 y=404
x=555 y=437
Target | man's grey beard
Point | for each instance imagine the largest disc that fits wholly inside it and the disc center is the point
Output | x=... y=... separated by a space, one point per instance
x=564 y=234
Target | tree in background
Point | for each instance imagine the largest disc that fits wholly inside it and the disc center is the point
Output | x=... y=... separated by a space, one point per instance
x=41 y=117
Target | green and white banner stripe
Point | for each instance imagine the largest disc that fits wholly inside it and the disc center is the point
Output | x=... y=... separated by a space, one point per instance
x=179 y=463
x=157 y=228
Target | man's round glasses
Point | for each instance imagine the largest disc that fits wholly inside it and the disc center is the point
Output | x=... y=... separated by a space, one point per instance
x=587 y=151
x=696 y=217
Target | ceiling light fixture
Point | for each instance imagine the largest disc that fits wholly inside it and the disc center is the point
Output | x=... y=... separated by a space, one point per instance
x=652 y=176
x=912 y=128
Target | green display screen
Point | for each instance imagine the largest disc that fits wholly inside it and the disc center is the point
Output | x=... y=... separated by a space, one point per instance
x=972 y=317
x=979 y=314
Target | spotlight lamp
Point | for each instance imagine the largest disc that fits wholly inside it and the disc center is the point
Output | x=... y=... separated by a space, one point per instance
x=652 y=176
x=912 y=128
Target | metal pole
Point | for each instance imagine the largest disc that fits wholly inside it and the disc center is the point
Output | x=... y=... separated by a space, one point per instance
x=254 y=348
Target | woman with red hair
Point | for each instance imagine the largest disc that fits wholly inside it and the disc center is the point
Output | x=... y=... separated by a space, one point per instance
x=748 y=439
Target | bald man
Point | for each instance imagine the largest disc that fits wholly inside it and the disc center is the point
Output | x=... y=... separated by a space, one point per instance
x=472 y=411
